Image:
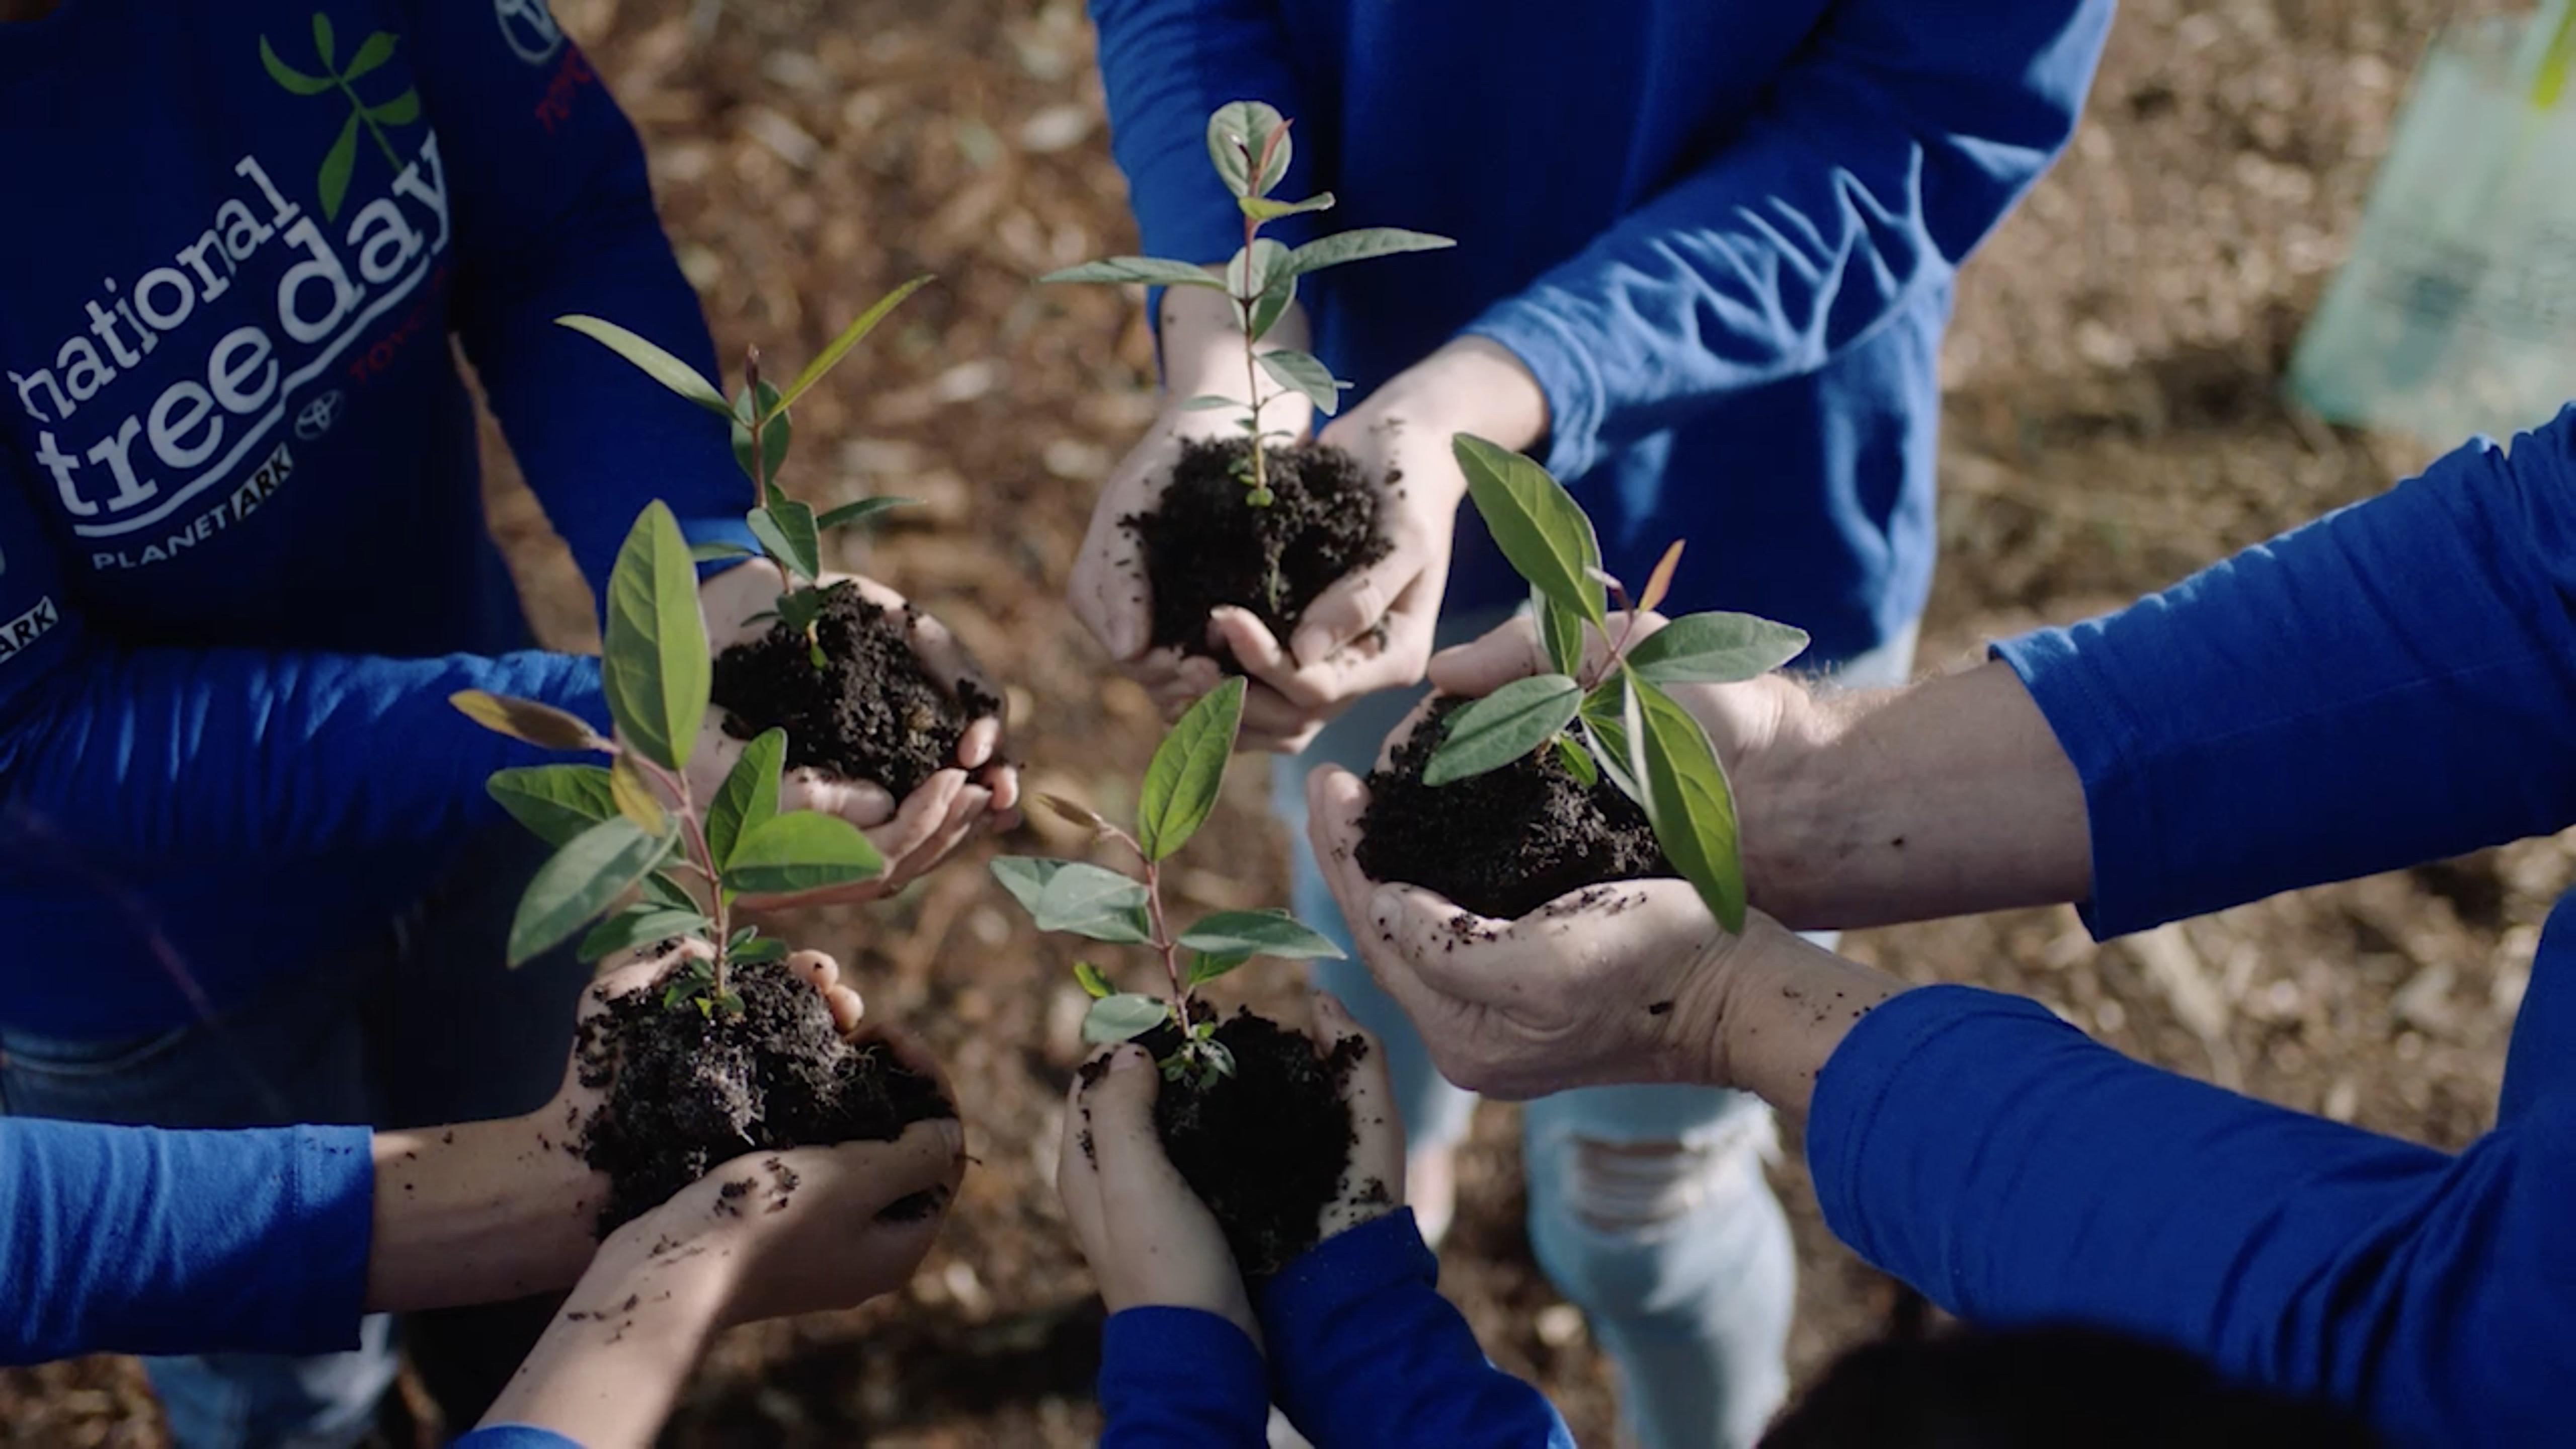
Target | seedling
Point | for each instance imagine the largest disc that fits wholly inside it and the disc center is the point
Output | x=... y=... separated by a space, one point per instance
x=1610 y=716
x=1092 y=901
x=788 y=530
x=633 y=825
x=1249 y=143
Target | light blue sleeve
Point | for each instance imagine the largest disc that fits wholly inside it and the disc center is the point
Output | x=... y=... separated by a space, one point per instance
x=139 y=1240
x=1883 y=155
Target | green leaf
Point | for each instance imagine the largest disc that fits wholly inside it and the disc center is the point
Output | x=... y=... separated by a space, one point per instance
x=580 y=881
x=1093 y=984
x=803 y=850
x=748 y=798
x=849 y=514
x=1560 y=630
x=1270 y=306
x=1208 y=401
x=661 y=890
x=1607 y=734
x=1260 y=933
x=1205 y=968
x=1692 y=809
x=1250 y=271
x=555 y=802
x=1577 y=761
x=787 y=530
x=1300 y=372
x=718 y=551
x=337 y=164
x=655 y=672
x=1123 y=1017
x=638 y=926
x=1188 y=769
x=655 y=363
x=1536 y=524
x=1716 y=649
x=288 y=76
x=1238 y=139
x=1262 y=208
x=1504 y=726
x=1026 y=876
x=755 y=952
x=525 y=719
x=325 y=44
x=1140 y=271
x=830 y=357
x=1358 y=246
x=378 y=49
x=402 y=110
x=1095 y=902
x=635 y=799
x=775 y=435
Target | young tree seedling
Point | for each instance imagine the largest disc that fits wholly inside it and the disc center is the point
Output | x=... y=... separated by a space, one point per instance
x=633 y=824
x=1610 y=716
x=1180 y=788
x=789 y=532
x=1249 y=143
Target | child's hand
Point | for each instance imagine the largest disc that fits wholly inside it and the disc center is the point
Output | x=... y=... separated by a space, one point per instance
x=1374 y=1186
x=1148 y=1238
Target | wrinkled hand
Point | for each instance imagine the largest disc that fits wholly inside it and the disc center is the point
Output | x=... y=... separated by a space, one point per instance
x=1148 y=1238
x=931 y=822
x=1594 y=988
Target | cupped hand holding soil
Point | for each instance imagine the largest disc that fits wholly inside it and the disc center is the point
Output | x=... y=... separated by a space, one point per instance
x=902 y=694
x=1177 y=1209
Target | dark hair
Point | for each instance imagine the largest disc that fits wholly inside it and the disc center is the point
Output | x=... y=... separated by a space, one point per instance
x=2047 y=1387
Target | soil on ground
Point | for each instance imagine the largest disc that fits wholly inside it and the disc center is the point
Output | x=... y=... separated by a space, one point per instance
x=688 y=1090
x=870 y=713
x=1507 y=841
x=1206 y=546
x=1267 y=1147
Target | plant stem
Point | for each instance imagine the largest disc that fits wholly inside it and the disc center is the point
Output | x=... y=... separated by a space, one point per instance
x=1155 y=923
x=1252 y=357
x=702 y=859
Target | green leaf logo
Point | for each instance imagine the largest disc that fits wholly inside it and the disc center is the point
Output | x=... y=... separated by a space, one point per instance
x=340 y=163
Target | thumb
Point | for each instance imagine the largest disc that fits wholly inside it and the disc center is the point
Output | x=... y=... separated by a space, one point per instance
x=1351 y=607
x=926 y=1161
x=1124 y=1139
x=1509 y=651
x=1443 y=946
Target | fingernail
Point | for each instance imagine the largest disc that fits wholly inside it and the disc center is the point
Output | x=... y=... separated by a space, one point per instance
x=952 y=1136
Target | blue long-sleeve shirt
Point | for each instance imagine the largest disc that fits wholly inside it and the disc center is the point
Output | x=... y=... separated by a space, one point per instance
x=2393 y=683
x=1363 y=1351
x=243 y=556
x=1722 y=237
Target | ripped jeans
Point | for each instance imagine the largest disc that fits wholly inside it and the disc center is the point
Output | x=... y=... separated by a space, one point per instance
x=1647 y=1205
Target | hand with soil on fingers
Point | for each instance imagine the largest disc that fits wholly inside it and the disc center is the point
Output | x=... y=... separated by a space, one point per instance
x=1372 y=629
x=762 y=1236
x=1625 y=982
x=900 y=733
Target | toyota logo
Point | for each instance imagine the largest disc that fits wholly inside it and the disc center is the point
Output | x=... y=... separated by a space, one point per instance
x=530 y=28
x=318 y=416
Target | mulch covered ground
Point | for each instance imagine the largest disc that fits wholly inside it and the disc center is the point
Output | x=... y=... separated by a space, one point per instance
x=2113 y=423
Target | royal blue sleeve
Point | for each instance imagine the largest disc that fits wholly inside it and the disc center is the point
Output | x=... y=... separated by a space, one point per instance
x=2393 y=683
x=1167 y=65
x=1883 y=154
x=554 y=215
x=171 y=756
x=138 y=1240
x=1180 y=1378
x=2017 y=1172
x=1364 y=1351
x=514 y=1436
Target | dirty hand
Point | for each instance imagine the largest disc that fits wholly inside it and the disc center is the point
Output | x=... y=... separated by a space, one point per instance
x=587 y=1077
x=1622 y=983
x=1374 y=1186
x=928 y=824
x=1148 y=1238
x=1109 y=592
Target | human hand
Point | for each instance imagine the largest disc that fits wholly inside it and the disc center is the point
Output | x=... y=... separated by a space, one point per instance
x=1148 y=1238
x=1374 y=1185
x=913 y=835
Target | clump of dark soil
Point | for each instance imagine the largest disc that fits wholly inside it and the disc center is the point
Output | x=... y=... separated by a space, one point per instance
x=687 y=1092
x=1266 y=1148
x=1205 y=546
x=871 y=713
x=1505 y=842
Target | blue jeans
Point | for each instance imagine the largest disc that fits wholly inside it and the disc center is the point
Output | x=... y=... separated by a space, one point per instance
x=419 y=1026
x=1647 y=1204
